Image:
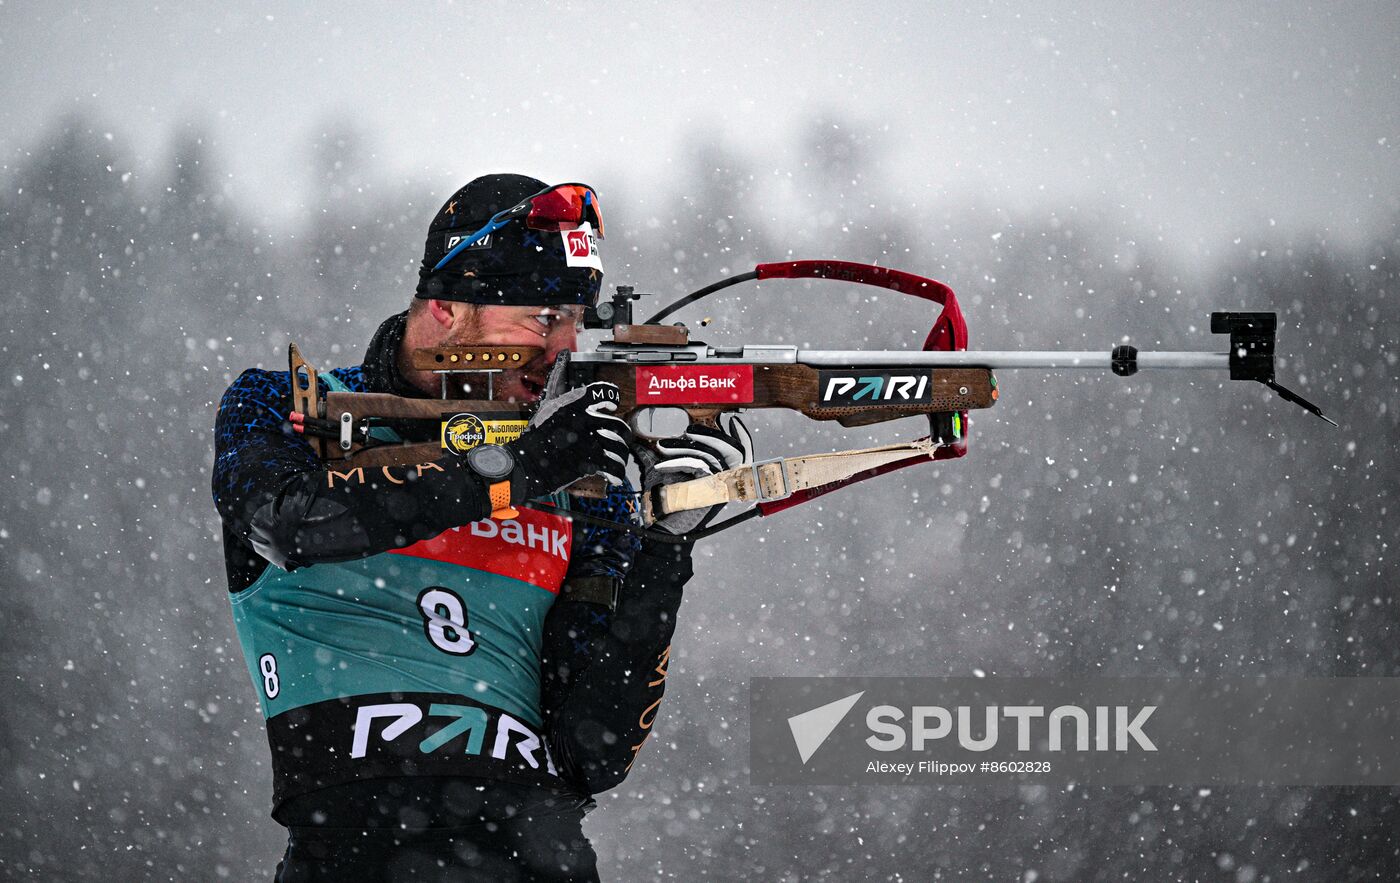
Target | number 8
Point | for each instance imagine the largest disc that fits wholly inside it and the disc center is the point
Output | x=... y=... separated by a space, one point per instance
x=267 y=664
x=448 y=633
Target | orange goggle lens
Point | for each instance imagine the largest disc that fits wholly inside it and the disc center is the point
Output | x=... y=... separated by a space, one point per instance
x=565 y=207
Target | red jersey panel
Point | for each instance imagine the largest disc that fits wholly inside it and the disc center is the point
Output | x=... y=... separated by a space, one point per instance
x=533 y=548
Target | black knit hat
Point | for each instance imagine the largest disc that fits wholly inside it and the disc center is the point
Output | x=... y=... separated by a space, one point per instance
x=513 y=265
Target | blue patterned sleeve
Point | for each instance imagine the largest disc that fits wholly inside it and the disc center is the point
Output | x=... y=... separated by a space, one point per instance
x=255 y=450
x=275 y=495
x=604 y=551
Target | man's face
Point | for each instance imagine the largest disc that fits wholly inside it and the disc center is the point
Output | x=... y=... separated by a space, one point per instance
x=554 y=328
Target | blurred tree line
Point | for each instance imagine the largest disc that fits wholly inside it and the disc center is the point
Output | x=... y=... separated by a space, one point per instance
x=1158 y=526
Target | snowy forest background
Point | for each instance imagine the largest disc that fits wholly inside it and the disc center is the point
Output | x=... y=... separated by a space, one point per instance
x=1167 y=525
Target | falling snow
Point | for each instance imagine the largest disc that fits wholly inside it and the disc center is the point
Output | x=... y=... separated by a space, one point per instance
x=1160 y=525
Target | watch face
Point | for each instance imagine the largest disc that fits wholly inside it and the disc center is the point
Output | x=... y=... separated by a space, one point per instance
x=491 y=461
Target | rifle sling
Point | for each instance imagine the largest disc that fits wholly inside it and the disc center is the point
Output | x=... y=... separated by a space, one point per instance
x=776 y=479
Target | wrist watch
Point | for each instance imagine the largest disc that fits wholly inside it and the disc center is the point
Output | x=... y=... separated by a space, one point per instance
x=494 y=464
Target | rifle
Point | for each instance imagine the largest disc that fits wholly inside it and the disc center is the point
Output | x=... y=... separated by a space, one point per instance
x=664 y=375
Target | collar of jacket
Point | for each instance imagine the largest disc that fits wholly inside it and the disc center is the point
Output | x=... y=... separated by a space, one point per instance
x=382 y=360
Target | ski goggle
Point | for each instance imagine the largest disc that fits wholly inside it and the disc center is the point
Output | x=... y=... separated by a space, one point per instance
x=560 y=207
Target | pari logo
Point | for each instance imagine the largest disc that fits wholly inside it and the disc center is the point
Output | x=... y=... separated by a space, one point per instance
x=855 y=388
x=479 y=732
x=480 y=245
x=1064 y=728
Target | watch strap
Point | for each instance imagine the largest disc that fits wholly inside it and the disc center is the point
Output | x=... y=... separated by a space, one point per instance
x=501 y=509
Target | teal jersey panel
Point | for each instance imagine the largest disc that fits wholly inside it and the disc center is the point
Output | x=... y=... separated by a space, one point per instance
x=399 y=623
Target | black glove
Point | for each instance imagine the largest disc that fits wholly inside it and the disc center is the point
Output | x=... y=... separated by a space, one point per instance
x=573 y=434
x=699 y=452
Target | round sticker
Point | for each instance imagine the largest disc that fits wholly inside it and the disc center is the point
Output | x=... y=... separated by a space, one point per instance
x=463 y=432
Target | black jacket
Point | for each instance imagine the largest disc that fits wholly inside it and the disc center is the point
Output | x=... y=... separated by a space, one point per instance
x=602 y=669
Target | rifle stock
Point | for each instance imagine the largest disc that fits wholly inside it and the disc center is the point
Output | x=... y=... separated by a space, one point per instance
x=797 y=387
x=874 y=394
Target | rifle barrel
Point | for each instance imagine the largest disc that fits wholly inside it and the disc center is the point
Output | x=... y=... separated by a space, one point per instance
x=1008 y=359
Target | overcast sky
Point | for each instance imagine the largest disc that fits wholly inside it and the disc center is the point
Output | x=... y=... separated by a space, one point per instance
x=1203 y=119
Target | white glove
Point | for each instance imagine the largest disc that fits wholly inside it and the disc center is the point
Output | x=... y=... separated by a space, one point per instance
x=701 y=451
x=574 y=433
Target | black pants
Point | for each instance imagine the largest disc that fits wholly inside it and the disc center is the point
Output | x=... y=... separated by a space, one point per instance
x=438 y=831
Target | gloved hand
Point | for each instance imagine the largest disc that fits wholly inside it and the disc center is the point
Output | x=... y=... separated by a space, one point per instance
x=699 y=452
x=573 y=434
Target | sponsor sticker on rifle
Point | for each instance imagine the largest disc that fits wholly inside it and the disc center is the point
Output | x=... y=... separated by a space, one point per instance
x=874 y=387
x=695 y=384
x=581 y=247
x=462 y=432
